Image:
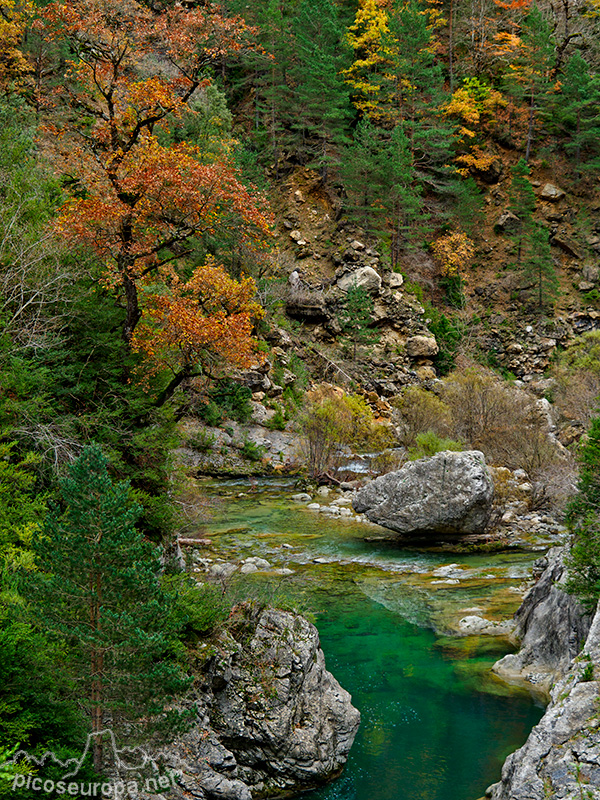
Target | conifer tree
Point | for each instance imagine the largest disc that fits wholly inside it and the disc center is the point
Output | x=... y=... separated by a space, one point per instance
x=321 y=98
x=97 y=591
x=538 y=266
x=522 y=202
x=531 y=69
x=357 y=317
x=576 y=112
x=583 y=517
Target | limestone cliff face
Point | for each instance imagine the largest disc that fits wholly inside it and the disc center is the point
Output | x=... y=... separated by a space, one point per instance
x=272 y=721
x=561 y=757
x=551 y=627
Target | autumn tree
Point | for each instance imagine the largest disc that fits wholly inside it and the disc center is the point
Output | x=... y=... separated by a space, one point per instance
x=530 y=72
x=139 y=204
x=14 y=67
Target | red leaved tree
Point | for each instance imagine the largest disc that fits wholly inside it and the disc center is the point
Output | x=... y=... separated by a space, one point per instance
x=139 y=203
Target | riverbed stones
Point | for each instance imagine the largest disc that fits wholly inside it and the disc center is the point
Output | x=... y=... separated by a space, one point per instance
x=447 y=495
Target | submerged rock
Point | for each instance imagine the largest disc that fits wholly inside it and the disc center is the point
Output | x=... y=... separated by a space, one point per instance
x=271 y=720
x=449 y=494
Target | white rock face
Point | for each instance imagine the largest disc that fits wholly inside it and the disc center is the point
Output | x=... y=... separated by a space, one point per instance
x=551 y=627
x=450 y=494
x=363 y=278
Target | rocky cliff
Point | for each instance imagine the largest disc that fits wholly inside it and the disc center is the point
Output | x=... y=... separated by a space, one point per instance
x=271 y=720
x=551 y=627
x=561 y=757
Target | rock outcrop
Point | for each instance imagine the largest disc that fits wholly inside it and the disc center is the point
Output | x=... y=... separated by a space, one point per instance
x=271 y=720
x=561 y=757
x=551 y=627
x=449 y=494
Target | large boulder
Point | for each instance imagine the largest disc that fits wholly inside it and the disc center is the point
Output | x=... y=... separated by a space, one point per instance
x=363 y=278
x=271 y=720
x=450 y=494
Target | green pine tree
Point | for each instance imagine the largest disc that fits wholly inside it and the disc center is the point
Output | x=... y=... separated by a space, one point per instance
x=97 y=591
x=356 y=318
x=538 y=266
x=320 y=96
x=575 y=113
x=583 y=517
x=522 y=203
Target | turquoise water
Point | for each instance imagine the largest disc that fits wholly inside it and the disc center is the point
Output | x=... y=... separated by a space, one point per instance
x=435 y=724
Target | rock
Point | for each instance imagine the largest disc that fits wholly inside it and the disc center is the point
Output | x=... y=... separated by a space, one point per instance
x=272 y=721
x=313 y=506
x=396 y=281
x=449 y=494
x=507 y=222
x=585 y=286
x=551 y=193
x=426 y=373
x=255 y=381
x=561 y=757
x=248 y=569
x=567 y=244
x=356 y=245
x=222 y=571
x=301 y=497
x=260 y=414
x=551 y=626
x=490 y=174
x=422 y=347
x=363 y=278
x=259 y=563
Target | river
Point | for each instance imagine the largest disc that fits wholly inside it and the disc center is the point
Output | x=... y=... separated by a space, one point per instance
x=436 y=725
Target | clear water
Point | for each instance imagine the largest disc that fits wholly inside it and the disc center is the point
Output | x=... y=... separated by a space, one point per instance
x=435 y=724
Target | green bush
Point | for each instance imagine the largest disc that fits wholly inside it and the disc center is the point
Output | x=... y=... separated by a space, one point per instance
x=202 y=440
x=429 y=443
x=277 y=421
x=252 y=451
x=199 y=608
x=233 y=399
x=211 y=414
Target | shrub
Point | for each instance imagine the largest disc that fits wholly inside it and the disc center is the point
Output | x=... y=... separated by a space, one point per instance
x=577 y=375
x=211 y=414
x=202 y=440
x=421 y=411
x=504 y=422
x=333 y=420
x=232 y=399
x=277 y=421
x=199 y=608
x=429 y=443
x=252 y=451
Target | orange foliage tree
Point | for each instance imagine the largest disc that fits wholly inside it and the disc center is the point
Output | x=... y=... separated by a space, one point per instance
x=14 y=67
x=454 y=252
x=138 y=203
